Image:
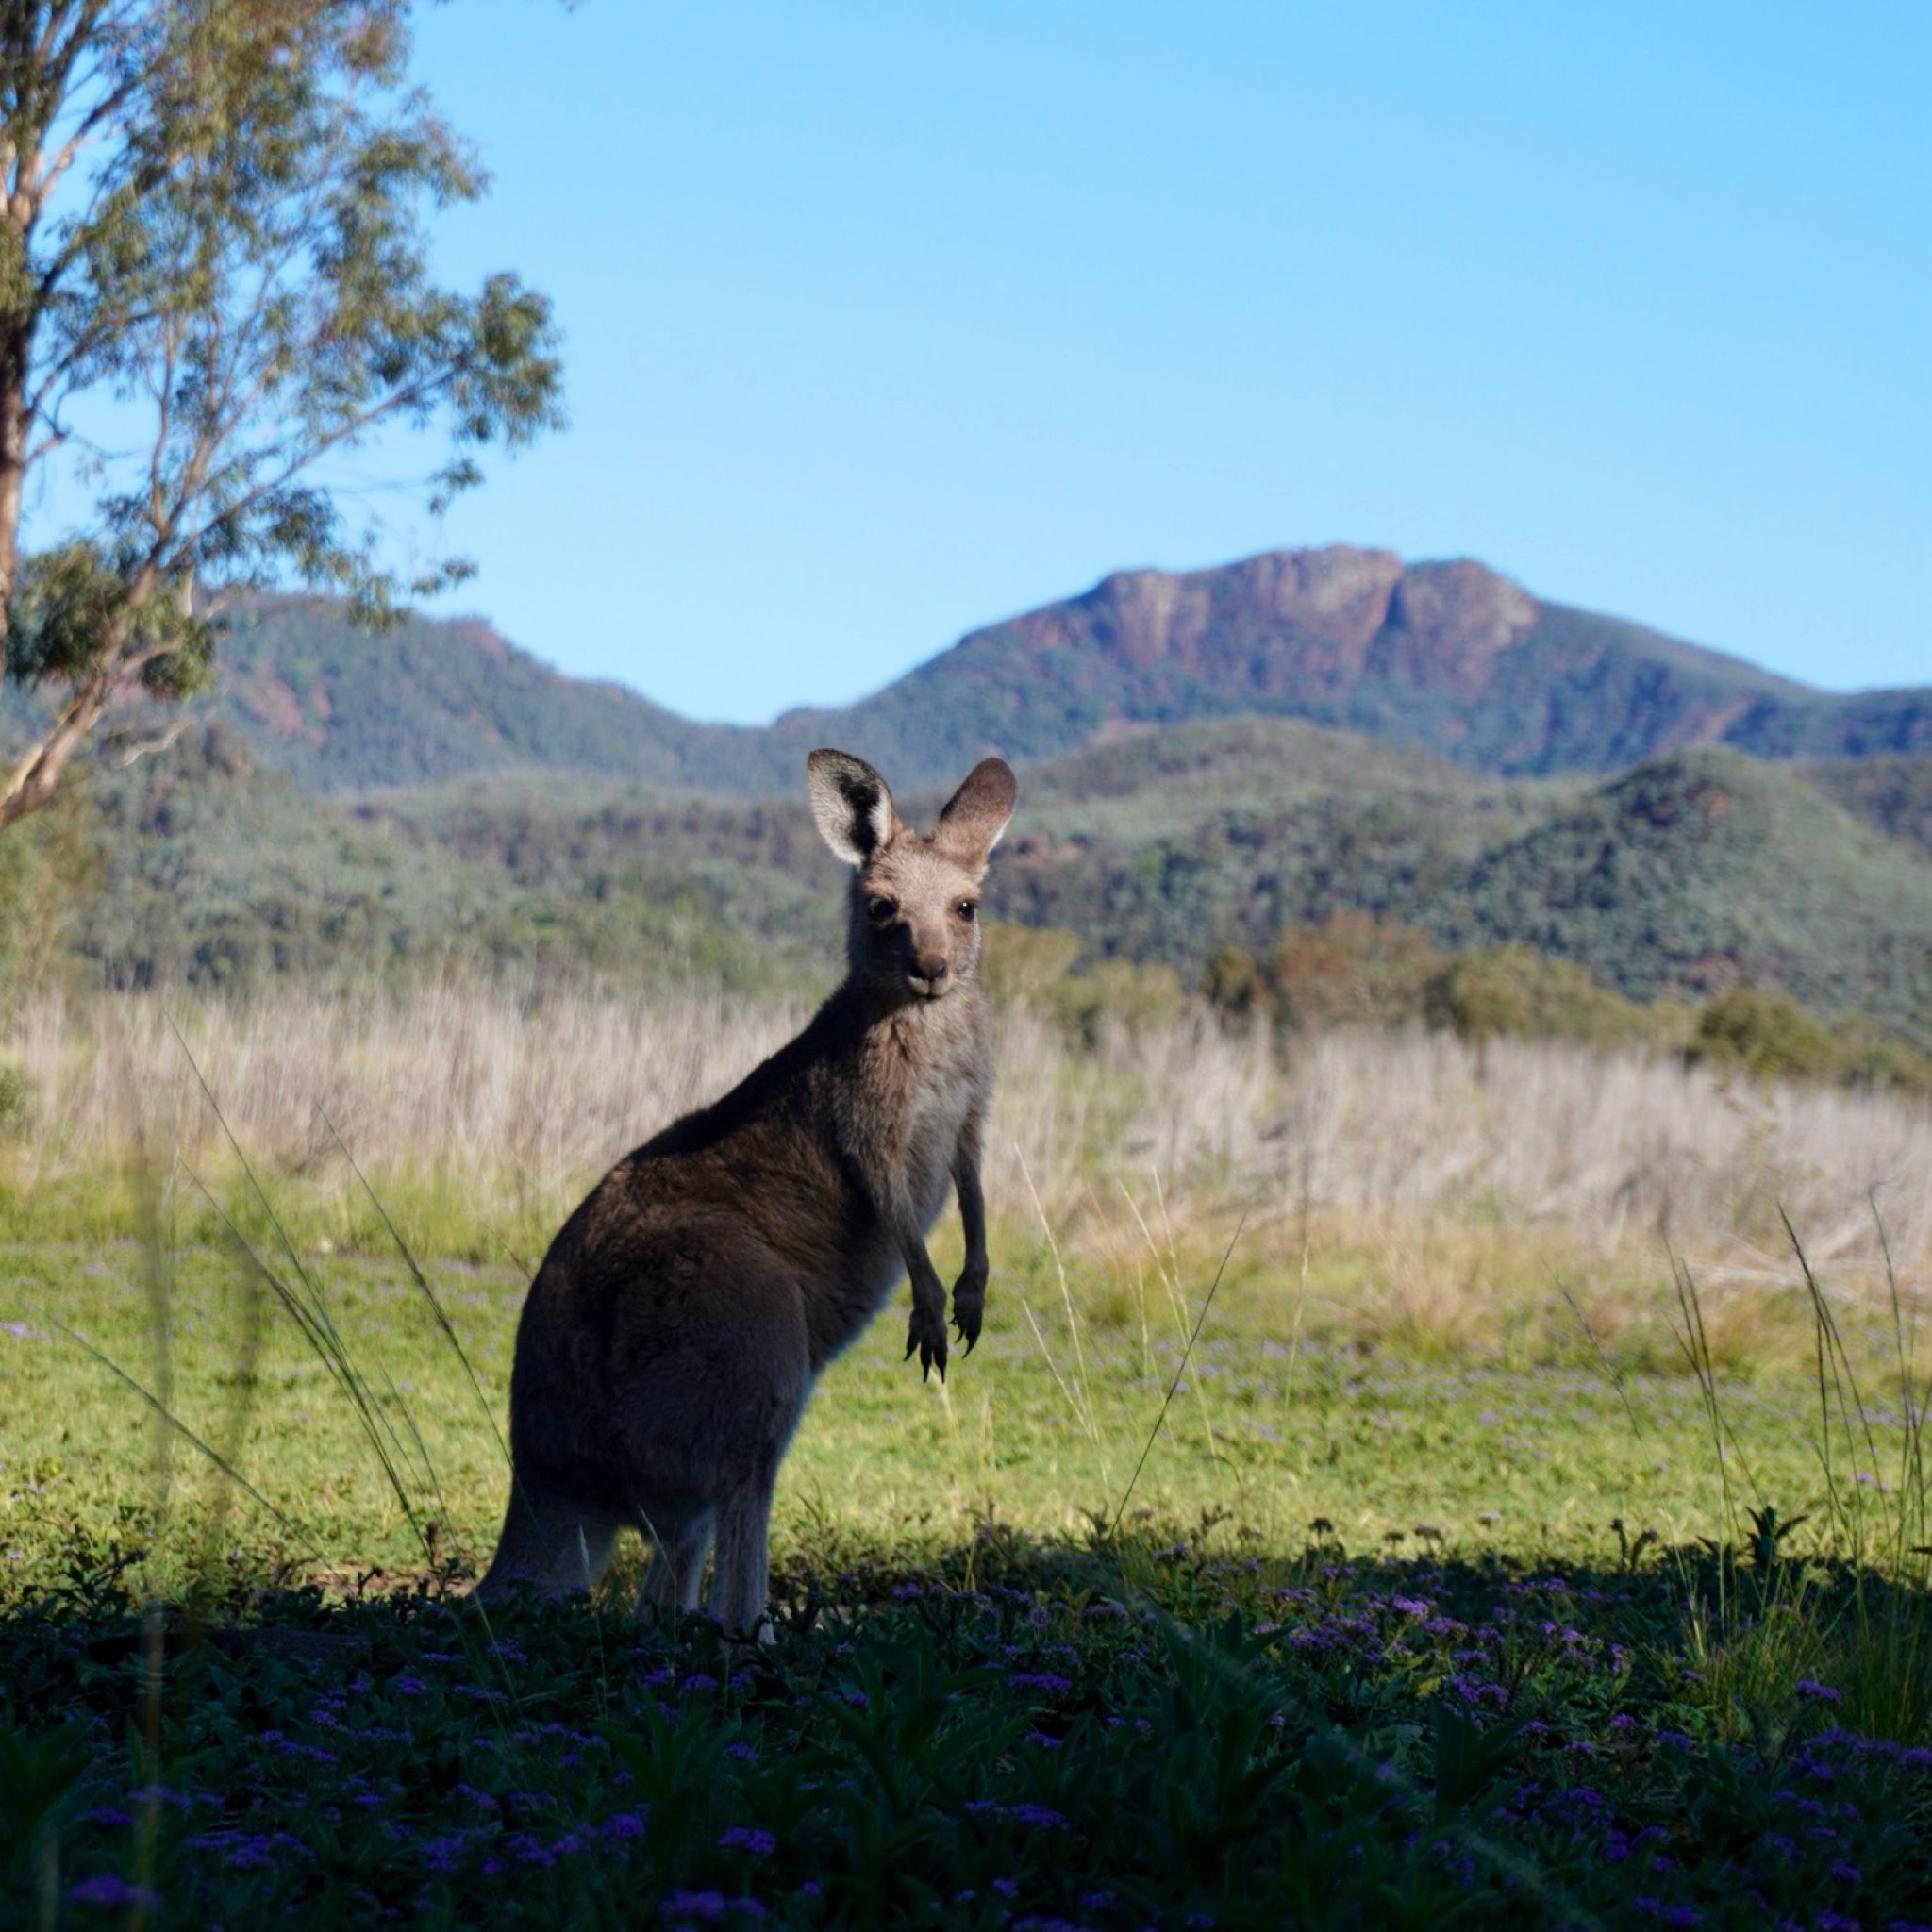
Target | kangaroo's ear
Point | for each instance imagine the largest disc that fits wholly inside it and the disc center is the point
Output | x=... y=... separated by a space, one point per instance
x=976 y=814
x=851 y=804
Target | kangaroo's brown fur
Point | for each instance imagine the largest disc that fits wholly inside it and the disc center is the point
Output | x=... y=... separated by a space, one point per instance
x=673 y=1335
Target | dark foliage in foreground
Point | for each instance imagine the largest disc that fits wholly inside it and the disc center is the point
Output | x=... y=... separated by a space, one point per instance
x=1014 y=1737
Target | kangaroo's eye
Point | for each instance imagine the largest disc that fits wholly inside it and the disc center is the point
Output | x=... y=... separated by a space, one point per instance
x=881 y=909
x=967 y=910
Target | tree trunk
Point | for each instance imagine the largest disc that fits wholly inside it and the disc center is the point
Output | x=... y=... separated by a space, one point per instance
x=30 y=784
x=12 y=485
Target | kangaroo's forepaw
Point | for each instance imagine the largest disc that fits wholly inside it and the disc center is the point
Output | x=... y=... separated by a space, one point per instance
x=968 y=1307
x=927 y=1334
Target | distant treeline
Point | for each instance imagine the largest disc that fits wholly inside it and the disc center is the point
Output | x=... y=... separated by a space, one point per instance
x=1355 y=969
x=1707 y=905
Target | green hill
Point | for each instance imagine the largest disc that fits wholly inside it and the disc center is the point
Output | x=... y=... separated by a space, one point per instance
x=1686 y=875
x=213 y=870
x=342 y=709
x=1892 y=793
x=1707 y=869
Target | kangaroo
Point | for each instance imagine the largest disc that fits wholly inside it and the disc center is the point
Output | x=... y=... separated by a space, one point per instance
x=672 y=1337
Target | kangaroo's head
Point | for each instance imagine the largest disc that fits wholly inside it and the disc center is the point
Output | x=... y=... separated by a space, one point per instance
x=915 y=895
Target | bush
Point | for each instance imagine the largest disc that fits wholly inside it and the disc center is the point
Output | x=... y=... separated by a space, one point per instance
x=1869 y=1057
x=1764 y=1033
x=1516 y=990
x=1115 y=993
x=1234 y=983
x=16 y=1104
x=1018 y=962
x=1029 y=966
x=51 y=868
x=1352 y=970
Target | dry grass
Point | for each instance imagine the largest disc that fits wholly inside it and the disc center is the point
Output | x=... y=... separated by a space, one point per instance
x=1441 y=1172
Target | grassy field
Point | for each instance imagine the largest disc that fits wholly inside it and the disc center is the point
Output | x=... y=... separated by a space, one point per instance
x=1522 y=1539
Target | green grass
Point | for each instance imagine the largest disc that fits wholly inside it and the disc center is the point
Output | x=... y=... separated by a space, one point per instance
x=1391 y=1628
x=1039 y=1428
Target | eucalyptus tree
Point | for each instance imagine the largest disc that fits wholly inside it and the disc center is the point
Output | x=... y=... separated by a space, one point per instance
x=215 y=290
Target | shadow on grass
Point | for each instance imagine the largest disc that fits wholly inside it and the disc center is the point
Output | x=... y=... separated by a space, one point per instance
x=1174 y=1725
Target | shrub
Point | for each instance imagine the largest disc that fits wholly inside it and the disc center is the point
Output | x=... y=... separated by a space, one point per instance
x=1018 y=962
x=16 y=1104
x=1029 y=966
x=1764 y=1033
x=1869 y=1057
x=1115 y=993
x=51 y=869
x=1514 y=989
x=1234 y=983
x=1352 y=970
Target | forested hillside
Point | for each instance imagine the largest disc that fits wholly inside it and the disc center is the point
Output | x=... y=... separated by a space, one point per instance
x=1688 y=877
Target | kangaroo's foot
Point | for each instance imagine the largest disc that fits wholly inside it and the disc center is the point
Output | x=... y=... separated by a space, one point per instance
x=969 y=1303
x=927 y=1334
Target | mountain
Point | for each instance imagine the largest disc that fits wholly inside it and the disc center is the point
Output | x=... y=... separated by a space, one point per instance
x=342 y=708
x=1450 y=658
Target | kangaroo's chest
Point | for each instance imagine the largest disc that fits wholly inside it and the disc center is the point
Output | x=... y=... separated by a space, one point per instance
x=933 y=1124
x=923 y=1091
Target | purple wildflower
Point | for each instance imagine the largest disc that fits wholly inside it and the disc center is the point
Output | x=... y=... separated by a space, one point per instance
x=711 y=1907
x=696 y=1905
x=749 y=1838
x=1039 y=1817
x=108 y=1889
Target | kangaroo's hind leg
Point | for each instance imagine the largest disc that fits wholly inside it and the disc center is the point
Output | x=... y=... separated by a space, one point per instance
x=550 y=1543
x=676 y=1567
x=741 y=1581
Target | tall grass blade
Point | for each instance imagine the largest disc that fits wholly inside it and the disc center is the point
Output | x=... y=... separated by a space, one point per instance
x=1167 y=1401
x=180 y=1428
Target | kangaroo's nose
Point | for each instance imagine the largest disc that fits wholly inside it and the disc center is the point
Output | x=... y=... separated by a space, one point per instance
x=932 y=968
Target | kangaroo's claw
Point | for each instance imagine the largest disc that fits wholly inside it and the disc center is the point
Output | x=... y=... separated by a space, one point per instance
x=927 y=1334
x=968 y=1308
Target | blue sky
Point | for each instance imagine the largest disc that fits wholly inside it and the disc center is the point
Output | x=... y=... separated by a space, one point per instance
x=887 y=321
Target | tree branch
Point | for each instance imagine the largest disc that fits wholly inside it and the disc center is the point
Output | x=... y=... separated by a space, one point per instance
x=127 y=747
